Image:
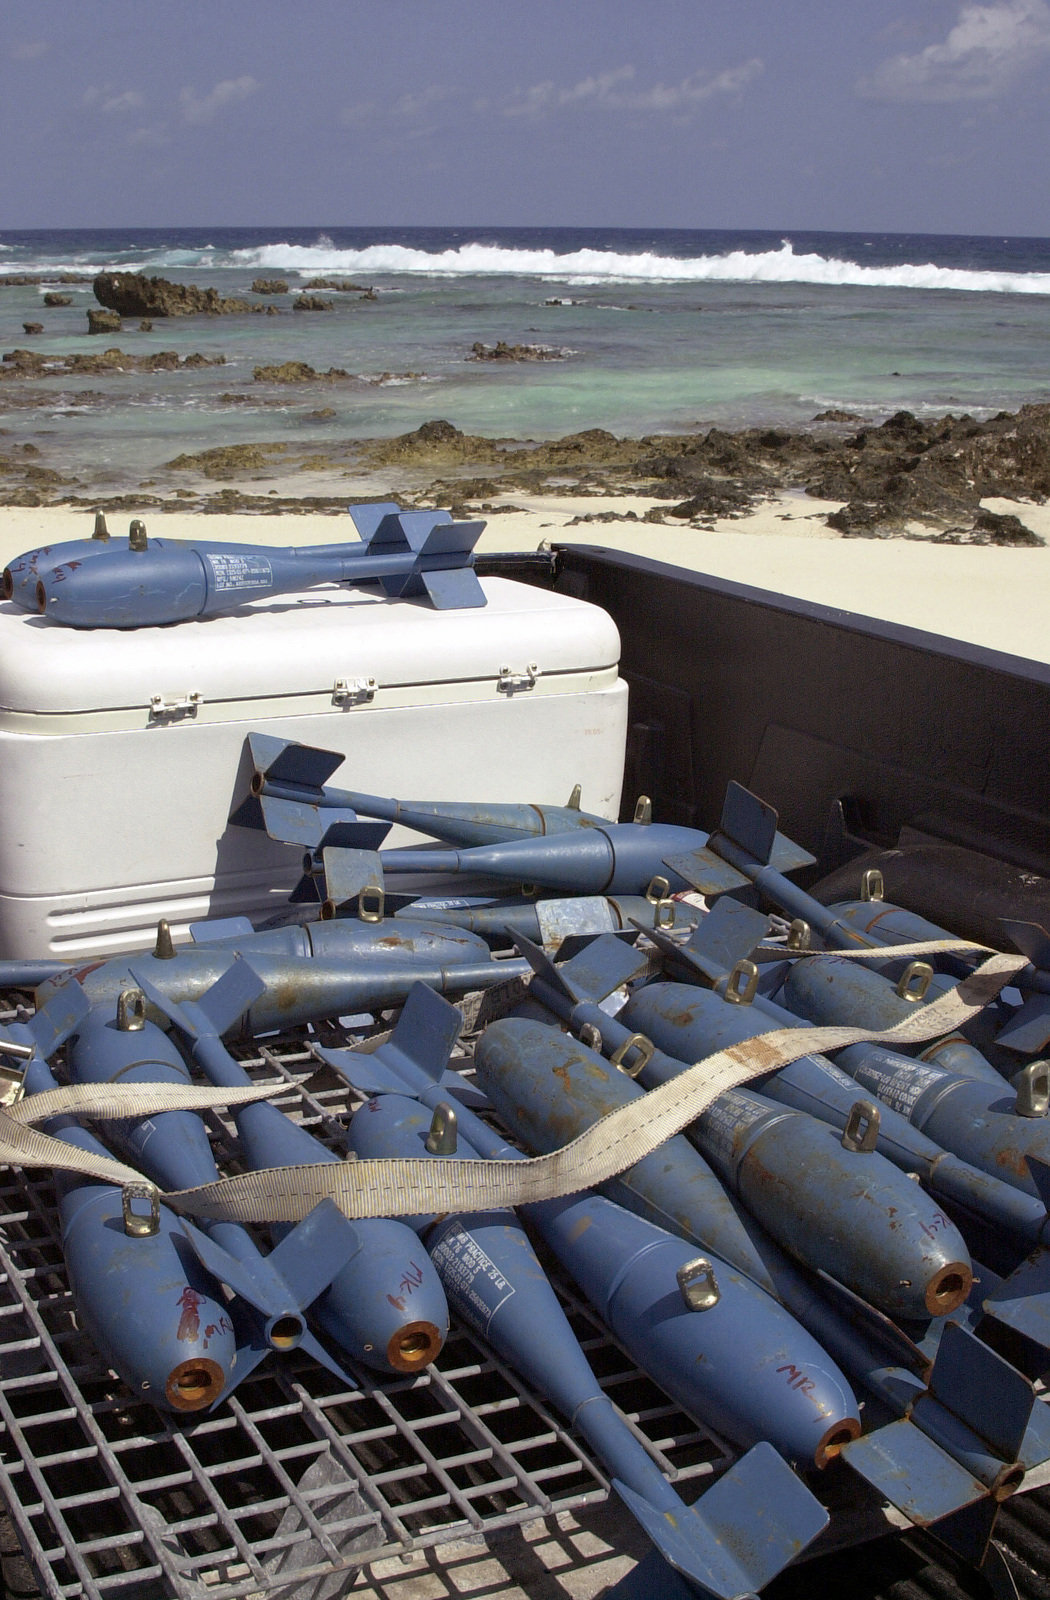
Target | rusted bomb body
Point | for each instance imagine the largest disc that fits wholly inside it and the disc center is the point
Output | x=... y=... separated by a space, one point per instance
x=550 y=1088
x=386 y=1308
x=425 y=943
x=829 y=989
x=173 y=1150
x=730 y=1363
x=296 y=989
x=497 y=1285
x=849 y=1213
x=611 y=858
x=549 y=921
x=975 y=1120
x=152 y=1311
x=298 y=774
x=720 y=1381
x=697 y=1022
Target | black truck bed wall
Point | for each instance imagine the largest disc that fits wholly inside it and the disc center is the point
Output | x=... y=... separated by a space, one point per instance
x=810 y=706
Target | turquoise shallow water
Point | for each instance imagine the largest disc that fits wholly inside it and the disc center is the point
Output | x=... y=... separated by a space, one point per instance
x=664 y=331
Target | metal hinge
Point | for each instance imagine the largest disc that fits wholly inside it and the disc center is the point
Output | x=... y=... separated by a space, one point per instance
x=353 y=691
x=510 y=681
x=162 y=706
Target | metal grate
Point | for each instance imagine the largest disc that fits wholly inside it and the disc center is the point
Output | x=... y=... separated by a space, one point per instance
x=295 y=1477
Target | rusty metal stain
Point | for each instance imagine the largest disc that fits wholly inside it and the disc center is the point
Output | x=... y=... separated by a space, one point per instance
x=1013 y=1161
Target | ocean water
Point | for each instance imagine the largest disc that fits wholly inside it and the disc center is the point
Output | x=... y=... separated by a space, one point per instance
x=654 y=331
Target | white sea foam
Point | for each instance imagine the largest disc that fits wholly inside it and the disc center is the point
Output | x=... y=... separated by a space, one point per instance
x=576 y=267
x=608 y=266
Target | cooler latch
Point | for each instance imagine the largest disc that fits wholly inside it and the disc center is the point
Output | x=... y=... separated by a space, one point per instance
x=509 y=681
x=353 y=691
x=166 y=708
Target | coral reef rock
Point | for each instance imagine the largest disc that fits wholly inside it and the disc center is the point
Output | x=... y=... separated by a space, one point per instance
x=103 y=321
x=132 y=294
x=512 y=352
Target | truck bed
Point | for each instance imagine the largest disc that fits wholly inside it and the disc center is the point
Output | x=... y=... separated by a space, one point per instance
x=853 y=729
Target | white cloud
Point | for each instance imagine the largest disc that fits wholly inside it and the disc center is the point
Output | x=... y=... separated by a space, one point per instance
x=230 y=92
x=408 y=107
x=32 y=50
x=988 y=48
x=364 y=111
x=416 y=105
x=610 y=92
x=150 y=138
x=111 y=104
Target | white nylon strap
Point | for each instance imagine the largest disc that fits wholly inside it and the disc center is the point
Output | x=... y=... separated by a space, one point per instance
x=22 y=1146
x=888 y=952
x=403 y=1187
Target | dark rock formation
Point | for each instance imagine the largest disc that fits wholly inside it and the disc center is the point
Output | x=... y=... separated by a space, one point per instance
x=132 y=294
x=311 y=302
x=713 y=499
x=145 y=326
x=53 y=299
x=287 y=372
x=103 y=321
x=512 y=352
x=298 y=372
x=993 y=527
x=28 y=364
x=32 y=280
x=436 y=432
x=33 y=327
x=227 y=461
x=339 y=286
x=269 y=286
x=858 y=518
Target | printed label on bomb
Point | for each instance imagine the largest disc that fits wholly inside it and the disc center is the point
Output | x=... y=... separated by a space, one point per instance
x=901 y=1089
x=470 y=1278
x=730 y=1115
x=239 y=572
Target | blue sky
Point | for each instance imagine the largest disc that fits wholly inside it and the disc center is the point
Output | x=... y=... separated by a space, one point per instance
x=895 y=115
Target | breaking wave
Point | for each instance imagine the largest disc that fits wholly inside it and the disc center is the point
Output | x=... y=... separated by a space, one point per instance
x=607 y=266
x=582 y=266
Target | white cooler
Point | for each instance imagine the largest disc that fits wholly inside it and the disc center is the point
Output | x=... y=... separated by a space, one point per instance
x=122 y=754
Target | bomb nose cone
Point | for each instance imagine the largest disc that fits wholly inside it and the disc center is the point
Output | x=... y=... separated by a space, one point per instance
x=948 y=1288
x=414 y=1347
x=194 y=1384
x=839 y=1434
x=8 y=583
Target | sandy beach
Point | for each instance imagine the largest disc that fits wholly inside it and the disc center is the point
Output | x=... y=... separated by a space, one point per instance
x=991 y=596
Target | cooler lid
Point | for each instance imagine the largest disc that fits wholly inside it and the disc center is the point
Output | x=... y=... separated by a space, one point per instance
x=300 y=644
